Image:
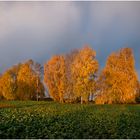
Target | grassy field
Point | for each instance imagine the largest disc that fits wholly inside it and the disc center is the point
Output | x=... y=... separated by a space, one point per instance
x=53 y=120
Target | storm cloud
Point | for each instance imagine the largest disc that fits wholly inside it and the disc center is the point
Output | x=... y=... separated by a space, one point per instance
x=39 y=30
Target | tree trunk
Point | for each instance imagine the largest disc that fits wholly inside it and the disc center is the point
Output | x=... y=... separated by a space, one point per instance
x=91 y=99
x=37 y=96
x=37 y=89
x=81 y=100
x=61 y=100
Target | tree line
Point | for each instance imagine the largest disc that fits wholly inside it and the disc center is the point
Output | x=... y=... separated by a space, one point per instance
x=75 y=77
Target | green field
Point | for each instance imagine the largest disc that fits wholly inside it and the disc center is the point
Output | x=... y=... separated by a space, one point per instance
x=53 y=120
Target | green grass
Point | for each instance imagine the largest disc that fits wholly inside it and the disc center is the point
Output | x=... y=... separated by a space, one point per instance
x=42 y=119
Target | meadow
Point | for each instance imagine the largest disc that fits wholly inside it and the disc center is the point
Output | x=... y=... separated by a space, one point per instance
x=43 y=119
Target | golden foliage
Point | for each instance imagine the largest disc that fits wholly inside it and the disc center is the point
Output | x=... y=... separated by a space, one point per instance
x=70 y=96
x=70 y=77
x=29 y=82
x=19 y=82
x=54 y=77
x=84 y=69
x=118 y=81
x=8 y=85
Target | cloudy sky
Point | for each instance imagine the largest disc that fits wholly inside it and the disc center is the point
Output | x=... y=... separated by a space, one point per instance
x=39 y=30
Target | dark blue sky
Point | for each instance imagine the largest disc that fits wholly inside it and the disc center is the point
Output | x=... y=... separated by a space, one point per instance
x=39 y=30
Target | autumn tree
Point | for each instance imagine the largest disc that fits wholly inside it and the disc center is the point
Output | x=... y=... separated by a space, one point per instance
x=1 y=95
x=29 y=82
x=8 y=83
x=22 y=82
x=118 y=81
x=38 y=72
x=70 y=83
x=54 y=77
x=72 y=75
x=84 y=69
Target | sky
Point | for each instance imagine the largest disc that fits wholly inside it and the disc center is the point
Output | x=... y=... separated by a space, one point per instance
x=38 y=30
